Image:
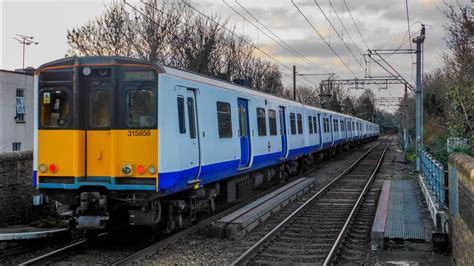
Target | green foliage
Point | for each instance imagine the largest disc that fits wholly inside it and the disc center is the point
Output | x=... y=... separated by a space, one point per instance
x=411 y=154
x=438 y=149
x=49 y=222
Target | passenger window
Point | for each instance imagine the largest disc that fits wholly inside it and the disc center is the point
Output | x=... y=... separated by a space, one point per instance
x=181 y=121
x=300 y=124
x=262 y=127
x=224 y=120
x=99 y=108
x=54 y=108
x=140 y=110
x=315 y=122
x=272 y=122
x=336 y=125
x=191 y=118
x=310 y=125
x=292 y=123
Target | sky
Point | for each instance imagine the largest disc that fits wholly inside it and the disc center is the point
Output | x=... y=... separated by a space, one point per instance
x=382 y=24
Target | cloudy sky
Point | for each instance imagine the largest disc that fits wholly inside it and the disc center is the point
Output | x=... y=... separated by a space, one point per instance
x=382 y=24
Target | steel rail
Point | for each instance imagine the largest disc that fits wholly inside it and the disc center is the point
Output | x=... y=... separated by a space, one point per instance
x=244 y=257
x=338 y=240
x=44 y=259
x=59 y=253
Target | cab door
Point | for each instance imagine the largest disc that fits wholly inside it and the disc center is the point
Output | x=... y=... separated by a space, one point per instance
x=98 y=98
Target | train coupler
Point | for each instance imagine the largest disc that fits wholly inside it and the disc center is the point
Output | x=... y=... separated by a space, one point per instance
x=92 y=211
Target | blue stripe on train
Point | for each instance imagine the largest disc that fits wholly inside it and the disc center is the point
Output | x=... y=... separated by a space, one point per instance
x=172 y=182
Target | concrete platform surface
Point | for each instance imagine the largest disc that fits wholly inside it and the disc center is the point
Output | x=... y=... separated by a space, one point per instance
x=246 y=218
x=23 y=232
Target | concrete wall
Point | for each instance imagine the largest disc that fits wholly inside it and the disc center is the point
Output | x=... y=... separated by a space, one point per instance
x=10 y=130
x=461 y=205
x=16 y=188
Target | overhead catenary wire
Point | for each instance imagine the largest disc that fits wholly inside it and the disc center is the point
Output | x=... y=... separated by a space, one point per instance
x=339 y=35
x=322 y=38
x=266 y=34
x=276 y=36
x=409 y=37
x=234 y=34
x=344 y=27
x=355 y=24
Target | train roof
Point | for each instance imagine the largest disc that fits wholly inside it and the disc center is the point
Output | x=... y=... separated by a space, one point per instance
x=185 y=74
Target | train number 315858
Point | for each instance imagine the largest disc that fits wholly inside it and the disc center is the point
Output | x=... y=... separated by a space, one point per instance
x=139 y=133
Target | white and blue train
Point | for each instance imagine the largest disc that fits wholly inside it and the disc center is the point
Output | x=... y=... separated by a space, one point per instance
x=164 y=143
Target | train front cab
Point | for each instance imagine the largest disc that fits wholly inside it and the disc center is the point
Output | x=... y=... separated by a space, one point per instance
x=96 y=134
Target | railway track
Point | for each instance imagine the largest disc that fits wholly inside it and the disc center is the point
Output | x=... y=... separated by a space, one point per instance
x=134 y=255
x=314 y=232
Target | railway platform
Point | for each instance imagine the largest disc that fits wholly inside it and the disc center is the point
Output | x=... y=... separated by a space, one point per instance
x=26 y=232
x=403 y=230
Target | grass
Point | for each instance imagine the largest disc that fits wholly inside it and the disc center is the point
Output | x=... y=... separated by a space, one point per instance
x=411 y=154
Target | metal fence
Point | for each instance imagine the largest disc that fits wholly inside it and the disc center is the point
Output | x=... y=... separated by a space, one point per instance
x=433 y=174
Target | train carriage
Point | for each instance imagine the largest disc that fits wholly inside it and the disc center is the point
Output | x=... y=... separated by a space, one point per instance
x=158 y=145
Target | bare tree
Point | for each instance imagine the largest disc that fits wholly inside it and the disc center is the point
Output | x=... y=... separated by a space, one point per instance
x=459 y=69
x=173 y=34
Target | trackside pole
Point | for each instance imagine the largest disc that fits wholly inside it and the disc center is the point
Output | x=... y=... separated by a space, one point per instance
x=419 y=97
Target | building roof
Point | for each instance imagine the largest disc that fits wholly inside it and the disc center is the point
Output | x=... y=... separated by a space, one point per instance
x=15 y=72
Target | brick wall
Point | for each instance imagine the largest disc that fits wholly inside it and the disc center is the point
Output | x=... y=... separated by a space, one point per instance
x=461 y=202
x=16 y=188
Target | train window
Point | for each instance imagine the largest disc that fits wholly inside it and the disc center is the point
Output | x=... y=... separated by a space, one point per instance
x=349 y=126
x=336 y=125
x=262 y=127
x=224 y=120
x=310 y=124
x=191 y=118
x=182 y=123
x=341 y=125
x=242 y=121
x=140 y=111
x=292 y=123
x=54 y=107
x=99 y=108
x=300 y=124
x=315 y=123
x=272 y=122
x=326 y=125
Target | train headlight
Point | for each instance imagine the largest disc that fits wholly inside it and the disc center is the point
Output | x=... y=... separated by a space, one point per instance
x=42 y=168
x=151 y=169
x=126 y=170
x=140 y=169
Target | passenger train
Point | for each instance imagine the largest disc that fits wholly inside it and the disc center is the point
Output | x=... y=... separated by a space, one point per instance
x=122 y=139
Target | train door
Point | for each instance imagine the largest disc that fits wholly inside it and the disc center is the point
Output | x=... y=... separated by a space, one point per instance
x=244 y=133
x=331 y=128
x=321 y=132
x=284 y=140
x=97 y=91
x=192 y=141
